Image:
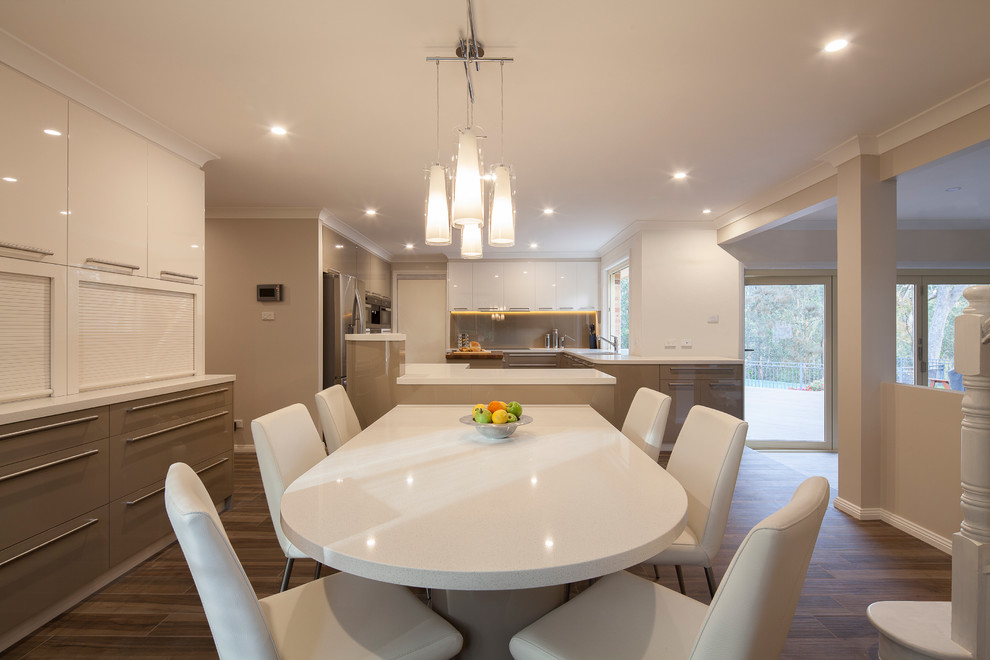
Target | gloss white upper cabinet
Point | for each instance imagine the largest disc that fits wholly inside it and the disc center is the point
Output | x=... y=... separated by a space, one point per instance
x=108 y=194
x=488 y=289
x=544 y=285
x=32 y=169
x=460 y=289
x=517 y=286
x=176 y=224
x=586 y=290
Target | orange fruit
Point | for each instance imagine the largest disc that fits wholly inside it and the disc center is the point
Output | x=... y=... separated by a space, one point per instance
x=495 y=405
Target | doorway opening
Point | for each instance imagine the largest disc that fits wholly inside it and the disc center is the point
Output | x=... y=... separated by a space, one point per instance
x=788 y=367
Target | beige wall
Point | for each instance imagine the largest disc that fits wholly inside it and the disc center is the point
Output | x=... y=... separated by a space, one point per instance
x=687 y=278
x=276 y=362
x=921 y=452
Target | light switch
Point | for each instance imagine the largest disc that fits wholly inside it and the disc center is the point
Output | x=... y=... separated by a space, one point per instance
x=686 y=343
x=268 y=316
x=670 y=343
x=713 y=318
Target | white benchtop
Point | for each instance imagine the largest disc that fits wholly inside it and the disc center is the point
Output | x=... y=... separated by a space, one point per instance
x=382 y=336
x=19 y=411
x=459 y=374
x=605 y=356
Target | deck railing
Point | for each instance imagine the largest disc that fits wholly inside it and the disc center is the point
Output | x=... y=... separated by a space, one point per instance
x=811 y=375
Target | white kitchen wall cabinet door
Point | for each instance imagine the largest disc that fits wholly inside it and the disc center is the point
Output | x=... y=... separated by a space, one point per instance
x=488 y=289
x=586 y=288
x=176 y=225
x=566 y=273
x=32 y=169
x=460 y=292
x=544 y=285
x=108 y=195
x=518 y=293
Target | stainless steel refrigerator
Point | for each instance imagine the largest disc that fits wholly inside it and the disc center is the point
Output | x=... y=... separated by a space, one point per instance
x=343 y=313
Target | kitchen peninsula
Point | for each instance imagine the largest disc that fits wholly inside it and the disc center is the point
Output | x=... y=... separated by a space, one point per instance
x=457 y=384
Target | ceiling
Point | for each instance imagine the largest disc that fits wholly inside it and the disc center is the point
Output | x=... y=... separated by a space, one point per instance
x=603 y=103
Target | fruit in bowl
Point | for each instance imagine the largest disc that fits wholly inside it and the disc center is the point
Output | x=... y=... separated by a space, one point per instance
x=496 y=420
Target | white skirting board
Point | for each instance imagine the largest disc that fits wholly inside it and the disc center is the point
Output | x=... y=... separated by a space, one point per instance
x=894 y=520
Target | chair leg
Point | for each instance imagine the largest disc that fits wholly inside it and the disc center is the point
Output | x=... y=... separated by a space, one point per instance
x=680 y=579
x=656 y=573
x=711 y=580
x=319 y=567
x=288 y=571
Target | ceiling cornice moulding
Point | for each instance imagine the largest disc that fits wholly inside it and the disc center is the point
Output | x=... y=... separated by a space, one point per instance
x=263 y=212
x=859 y=145
x=946 y=112
x=806 y=179
x=348 y=232
x=35 y=64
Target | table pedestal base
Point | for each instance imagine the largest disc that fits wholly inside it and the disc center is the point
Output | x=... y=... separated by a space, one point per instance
x=489 y=619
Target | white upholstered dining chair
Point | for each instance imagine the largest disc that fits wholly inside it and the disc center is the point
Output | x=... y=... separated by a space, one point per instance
x=337 y=417
x=646 y=420
x=705 y=461
x=624 y=616
x=287 y=444
x=340 y=616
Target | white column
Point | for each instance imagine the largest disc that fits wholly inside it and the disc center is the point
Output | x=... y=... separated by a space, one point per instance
x=971 y=545
x=866 y=241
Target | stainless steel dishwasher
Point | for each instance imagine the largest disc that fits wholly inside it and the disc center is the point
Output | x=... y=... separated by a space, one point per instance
x=529 y=359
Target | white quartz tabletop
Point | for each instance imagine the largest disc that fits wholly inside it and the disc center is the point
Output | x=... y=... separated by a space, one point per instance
x=381 y=336
x=418 y=499
x=449 y=374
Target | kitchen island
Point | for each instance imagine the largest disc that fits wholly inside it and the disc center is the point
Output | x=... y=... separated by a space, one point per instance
x=456 y=384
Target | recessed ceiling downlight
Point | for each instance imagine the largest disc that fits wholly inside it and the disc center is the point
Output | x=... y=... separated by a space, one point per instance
x=278 y=130
x=52 y=131
x=680 y=175
x=10 y=179
x=836 y=45
x=707 y=211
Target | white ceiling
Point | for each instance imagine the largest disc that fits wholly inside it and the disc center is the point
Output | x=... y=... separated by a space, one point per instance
x=603 y=103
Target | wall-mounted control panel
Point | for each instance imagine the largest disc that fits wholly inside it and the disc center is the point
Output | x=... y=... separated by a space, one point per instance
x=269 y=293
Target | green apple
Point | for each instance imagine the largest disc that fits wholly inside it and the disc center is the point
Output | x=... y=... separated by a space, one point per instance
x=483 y=417
x=509 y=418
x=514 y=408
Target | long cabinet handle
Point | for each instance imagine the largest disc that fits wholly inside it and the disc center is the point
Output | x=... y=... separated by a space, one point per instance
x=26 y=248
x=176 y=400
x=177 y=274
x=702 y=368
x=177 y=426
x=155 y=492
x=721 y=384
x=91 y=521
x=48 y=465
x=107 y=262
x=688 y=384
x=56 y=425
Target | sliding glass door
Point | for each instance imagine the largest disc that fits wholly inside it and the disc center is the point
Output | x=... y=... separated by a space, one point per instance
x=788 y=374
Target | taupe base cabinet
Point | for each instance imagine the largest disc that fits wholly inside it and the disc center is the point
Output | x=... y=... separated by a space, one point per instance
x=82 y=493
x=718 y=386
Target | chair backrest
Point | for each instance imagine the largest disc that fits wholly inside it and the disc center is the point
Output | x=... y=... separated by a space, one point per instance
x=751 y=612
x=337 y=417
x=646 y=420
x=287 y=444
x=238 y=626
x=705 y=461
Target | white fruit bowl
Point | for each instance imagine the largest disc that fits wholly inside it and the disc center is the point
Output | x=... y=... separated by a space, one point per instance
x=495 y=432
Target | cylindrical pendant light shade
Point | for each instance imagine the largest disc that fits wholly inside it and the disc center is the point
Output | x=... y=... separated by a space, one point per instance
x=468 y=201
x=437 y=209
x=471 y=242
x=502 y=219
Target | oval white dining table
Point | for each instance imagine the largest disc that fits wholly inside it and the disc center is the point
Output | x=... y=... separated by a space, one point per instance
x=420 y=499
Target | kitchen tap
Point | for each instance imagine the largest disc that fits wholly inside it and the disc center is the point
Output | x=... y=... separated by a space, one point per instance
x=614 y=342
x=566 y=336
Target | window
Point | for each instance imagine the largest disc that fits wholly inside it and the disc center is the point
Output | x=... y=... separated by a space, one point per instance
x=927 y=306
x=617 y=322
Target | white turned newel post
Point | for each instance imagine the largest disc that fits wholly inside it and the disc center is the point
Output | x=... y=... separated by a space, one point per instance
x=971 y=545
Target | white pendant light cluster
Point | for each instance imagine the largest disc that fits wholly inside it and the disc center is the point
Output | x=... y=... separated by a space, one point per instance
x=467 y=211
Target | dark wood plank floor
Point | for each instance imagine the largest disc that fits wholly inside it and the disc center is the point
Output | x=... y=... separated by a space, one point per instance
x=154 y=611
